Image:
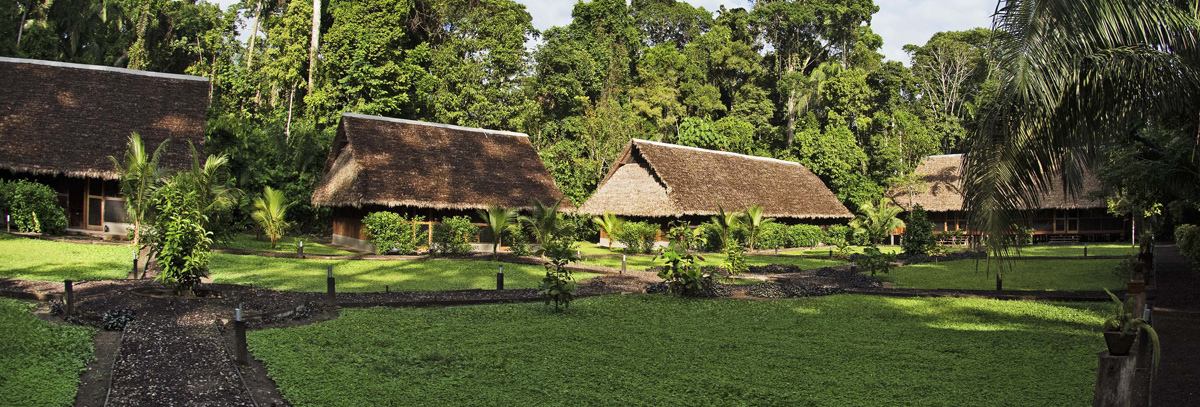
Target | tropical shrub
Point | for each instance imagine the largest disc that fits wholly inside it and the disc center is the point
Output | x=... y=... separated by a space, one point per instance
x=33 y=208
x=453 y=236
x=1187 y=238
x=391 y=231
x=638 y=237
x=735 y=260
x=709 y=237
x=918 y=236
x=838 y=235
x=558 y=286
x=876 y=220
x=180 y=242
x=805 y=235
x=876 y=261
x=682 y=276
x=545 y=222
x=773 y=236
x=1024 y=235
x=682 y=233
x=754 y=220
x=498 y=220
x=610 y=224
x=270 y=211
x=518 y=241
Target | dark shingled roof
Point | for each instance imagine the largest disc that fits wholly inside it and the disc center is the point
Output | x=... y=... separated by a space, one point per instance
x=394 y=162
x=665 y=180
x=67 y=119
x=942 y=191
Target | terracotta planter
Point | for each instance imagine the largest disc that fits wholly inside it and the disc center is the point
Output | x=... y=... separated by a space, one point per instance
x=1118 y=344
x=1137 y=286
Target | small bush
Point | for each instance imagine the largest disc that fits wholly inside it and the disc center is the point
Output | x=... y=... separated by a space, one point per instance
x=918 y=236
x=638 y=237
x=33 y=207
x=683 y=234
x=838 y=235
x=1187 y=238
x=682 y=276
x=875 y=261
x=180 y=241
x=709 y=238
x=735 y=260
x=773 y=236
x=453 y=236
x=391 y=231
x=558 y=286
x=805 y=235
x=1024 y=235
x=518 y=241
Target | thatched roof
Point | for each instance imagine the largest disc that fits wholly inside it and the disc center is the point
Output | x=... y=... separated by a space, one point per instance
x=942 y=189
x=67 y=119
x=652 y=179
x=394 y=162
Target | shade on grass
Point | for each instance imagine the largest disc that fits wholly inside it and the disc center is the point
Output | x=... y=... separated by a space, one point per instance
x=287 y=244
x=1076 y=250
x=1086 y=275
x=663 y=351
x=36 y=259
x=372 y=275
x=39 y=362
x=643 y=262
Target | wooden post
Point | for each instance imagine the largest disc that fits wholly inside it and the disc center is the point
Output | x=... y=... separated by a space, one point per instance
x=239 y=338
x=69 y=297
x=429 y=233
x=1114 y=381
x=332 y=291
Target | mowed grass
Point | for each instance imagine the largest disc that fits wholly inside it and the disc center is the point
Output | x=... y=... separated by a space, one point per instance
x=655 y=350
x=1037 y=275
x=372 y=275
x=39 y=362
x=36 y=259
x=285 y=245
x=643 y=262
x=1076 y=250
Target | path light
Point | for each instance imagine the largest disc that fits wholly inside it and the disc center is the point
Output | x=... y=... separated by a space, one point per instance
x=332 y=291
x=622 y=264
x=500 y=278
x=7 y=228
x=239 y=337
x=301 y=249
x=135 y=261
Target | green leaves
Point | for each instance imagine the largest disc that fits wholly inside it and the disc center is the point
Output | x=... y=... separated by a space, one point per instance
x=270 y=209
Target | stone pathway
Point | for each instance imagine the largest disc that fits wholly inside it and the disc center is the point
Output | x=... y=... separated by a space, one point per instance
x=1176 y=318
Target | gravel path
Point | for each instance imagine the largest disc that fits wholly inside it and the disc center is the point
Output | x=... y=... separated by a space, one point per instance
x=1177 y=320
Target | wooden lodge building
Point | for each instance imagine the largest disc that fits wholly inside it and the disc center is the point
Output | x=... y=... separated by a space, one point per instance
x=60 y=123
x=661 y=182
x=428 y=169
x=1060 y=217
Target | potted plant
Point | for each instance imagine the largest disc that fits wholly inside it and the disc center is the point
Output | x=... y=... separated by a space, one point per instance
x=1120 y=329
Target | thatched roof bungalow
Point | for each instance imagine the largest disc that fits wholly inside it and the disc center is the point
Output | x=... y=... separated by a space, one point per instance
x=1060 y=216
x=60 y=122
x=666 y=181
x=434 y=170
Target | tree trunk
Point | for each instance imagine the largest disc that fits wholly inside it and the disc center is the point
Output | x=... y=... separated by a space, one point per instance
x=312 y=48
x=791 y=117
x=287 y=132
x=253 y=34
x=21 y=26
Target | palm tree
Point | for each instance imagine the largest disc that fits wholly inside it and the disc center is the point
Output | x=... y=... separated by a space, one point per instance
x=139 y=177
x=726 y=221
x=213 y=194
x=1061 y=97
x=610 y=224
x=755 y=221
x=544 y=220
x=876 y=220
x=269 y=211
x=498 y=220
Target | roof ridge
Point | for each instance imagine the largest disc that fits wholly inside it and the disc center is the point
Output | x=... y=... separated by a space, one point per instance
x=944 y=155
x=438 y=125
x=103 y=68
x=705 y=150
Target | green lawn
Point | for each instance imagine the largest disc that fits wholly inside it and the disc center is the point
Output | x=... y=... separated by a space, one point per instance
x=654 y=350
x=372 y=275
x=1026 y=275
x=643 y=262
x=39 y=362
x=35 y=259
x=1076 y=250
x=285 y=245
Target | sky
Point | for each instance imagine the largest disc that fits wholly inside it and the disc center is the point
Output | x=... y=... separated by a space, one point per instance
x=899 y=22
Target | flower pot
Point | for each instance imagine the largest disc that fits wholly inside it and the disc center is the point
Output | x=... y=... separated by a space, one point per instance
x=1119 y=344
x=1137 y=286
